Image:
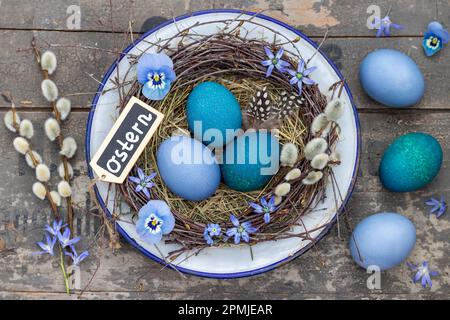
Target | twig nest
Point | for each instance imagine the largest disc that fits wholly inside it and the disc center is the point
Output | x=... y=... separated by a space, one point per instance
x=289 y=155
x=21 y=145
x=61 y=171
x=11 y=120
x=315 y=147
x=334 y=109
x=335 y=157
x=313 y=177
x=320 y=161
x=29 y=158
x=64 y=189
x=282 y=189
x=320 y=124
x=42 y=173
x=69 y=147
x=48 y=62
x=52 y=128
x=56 y=198
x=39 y=190
x=63 y=105
x=49 y=90
x=26 y=129
x=293 y=174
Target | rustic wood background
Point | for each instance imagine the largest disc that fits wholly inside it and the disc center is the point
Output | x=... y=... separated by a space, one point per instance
x=326 y=271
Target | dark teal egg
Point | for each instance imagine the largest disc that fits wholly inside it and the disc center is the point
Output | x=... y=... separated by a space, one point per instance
x=216 y=109
x=410 y=162
x=250 y=161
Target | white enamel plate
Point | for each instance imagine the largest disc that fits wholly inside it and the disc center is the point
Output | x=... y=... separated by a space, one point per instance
x=233 y=261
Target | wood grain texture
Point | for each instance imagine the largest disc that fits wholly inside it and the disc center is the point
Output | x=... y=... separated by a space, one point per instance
x=326 y=271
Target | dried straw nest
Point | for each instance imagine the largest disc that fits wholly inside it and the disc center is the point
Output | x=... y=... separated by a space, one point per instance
x=234 y=61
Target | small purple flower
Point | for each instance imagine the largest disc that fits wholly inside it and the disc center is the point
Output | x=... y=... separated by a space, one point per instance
x=155 y=73
x=143 y=182
x=155 y=220
x=48 y=246
x=211 y=230
x=437 y=207
x=423 y=273
x=265 y=207
x=75 y=257
x=55 y=228
x=240 y=230
x=301 y=75
x=385 y=26
x=64 y=238
x=274 y=61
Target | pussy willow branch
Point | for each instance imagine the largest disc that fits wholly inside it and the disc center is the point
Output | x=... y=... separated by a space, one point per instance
x=60 y=139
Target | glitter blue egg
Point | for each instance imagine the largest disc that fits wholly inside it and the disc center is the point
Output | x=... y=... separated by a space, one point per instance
x=188 y=168
x=392 y=78
x=250 y=161
x=410 y=162
x=384 y=240
x=216 y=109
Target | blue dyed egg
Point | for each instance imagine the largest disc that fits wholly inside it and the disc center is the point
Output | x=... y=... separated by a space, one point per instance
x=383 y=239
x=392 y=78
x=410 y=162
x=214 y=107
x=250 y=161
x=188 y=168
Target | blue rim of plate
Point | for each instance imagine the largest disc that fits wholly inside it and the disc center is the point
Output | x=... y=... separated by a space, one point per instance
x=235 y=274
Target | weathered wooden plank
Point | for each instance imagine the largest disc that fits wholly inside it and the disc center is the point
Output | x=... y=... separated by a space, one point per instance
x=326 y=271
x=344 y=18
x=80 y=69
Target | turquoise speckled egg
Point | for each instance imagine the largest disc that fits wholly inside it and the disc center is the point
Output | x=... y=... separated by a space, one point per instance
x=214 y=107
x=384 y=240
x=250 y=161
x=410 y=162
x=188 y=168
x=392 y=78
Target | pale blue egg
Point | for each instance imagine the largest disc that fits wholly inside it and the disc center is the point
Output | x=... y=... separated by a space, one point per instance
x=392 y=78
x=384 y=240
x=410 y=162
x=217 y=110
x=188 y=168
x=250 y=161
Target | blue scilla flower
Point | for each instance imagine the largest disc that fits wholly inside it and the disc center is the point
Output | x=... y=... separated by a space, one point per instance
x=47 y=247
x=64 y=238
x=274 y=61
x=55 y=227
x=438 y=207
x=211 y=230
x=143 y=183
x=240 y=230
x=265 y=207
x=301 y=75
x=385 y=26
x=155 y=220
x=435 y=37
x=76 y=259
x=423 y=273
x=155 y=73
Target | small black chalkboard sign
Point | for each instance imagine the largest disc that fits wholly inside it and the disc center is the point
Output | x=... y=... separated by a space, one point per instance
x=125 y=141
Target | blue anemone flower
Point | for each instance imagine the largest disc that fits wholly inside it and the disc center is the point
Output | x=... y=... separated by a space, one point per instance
x=55 y=228
x=64 y=238
x=301 y=75
x=211 y=230
x=438 y=207
x=424 y=273
x=265 y=207
x=155 y=220
x=48 y=246
x=240 y=230
x=143 y=182
x=274 y=61
x=435 y=37
x=76 y=259
x=155 y=73
x=385 y=26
